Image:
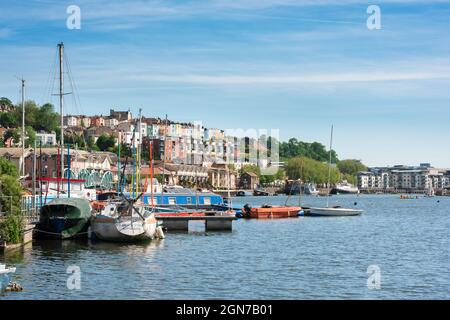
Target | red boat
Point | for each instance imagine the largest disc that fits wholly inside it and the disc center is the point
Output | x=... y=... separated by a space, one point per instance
x=269 y=212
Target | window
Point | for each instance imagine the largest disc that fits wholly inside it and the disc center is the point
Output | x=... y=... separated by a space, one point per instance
x=207 y=201
x=172 y=200
x=189 y=200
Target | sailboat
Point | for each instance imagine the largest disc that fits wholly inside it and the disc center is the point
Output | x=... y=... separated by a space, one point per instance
x=337 y=210
x=68 y=215
x=126 y=219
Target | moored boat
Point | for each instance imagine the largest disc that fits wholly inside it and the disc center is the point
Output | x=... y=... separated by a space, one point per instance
x=123 y=221
x=310 y=189
x=344 y=188
x=268 y=212
x=64 y=218
x=334 y=212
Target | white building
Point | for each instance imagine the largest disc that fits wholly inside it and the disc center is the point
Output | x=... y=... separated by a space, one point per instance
x=111 y=122
x=47 y=139
x=70 y=121
x=422 y=177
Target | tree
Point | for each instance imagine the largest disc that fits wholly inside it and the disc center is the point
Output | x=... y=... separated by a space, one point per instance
x=30 y=136
x=11 y=228
x=310 y=170
x=11 y=191
x=75 y=140
x=294 y=148
x=6 y=102
x=12 y=133
x=266 y=179
x=351 y=166
x=8 y=168
x=8 y=120
x=39 y=118
x=105 y=142
x=46 y=118
x=250 y=168
x=31 y=109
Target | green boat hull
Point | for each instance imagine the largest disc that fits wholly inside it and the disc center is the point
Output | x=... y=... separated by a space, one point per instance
x=64 y=219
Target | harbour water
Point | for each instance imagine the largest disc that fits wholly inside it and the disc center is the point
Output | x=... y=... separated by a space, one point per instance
x=297 y=258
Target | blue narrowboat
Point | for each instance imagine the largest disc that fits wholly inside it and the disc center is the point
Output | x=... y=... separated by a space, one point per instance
x=185 y=198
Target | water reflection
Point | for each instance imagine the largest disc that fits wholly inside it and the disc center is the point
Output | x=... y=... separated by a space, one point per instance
x=296 y=258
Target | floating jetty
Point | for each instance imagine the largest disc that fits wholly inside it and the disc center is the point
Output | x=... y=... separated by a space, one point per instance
x=180 y=222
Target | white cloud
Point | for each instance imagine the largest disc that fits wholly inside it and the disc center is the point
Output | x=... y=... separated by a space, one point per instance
x=274 y=79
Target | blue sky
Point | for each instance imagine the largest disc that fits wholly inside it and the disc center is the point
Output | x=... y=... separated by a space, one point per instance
x=297 y=66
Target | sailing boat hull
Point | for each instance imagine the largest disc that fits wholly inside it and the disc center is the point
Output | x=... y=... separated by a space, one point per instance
x=63 y=219
x=124 y=229
x=334 y=212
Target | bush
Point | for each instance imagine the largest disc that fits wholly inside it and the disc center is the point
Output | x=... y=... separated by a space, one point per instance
x=11 y=228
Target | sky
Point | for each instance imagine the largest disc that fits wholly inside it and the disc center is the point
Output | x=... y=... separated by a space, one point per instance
x=296 y=66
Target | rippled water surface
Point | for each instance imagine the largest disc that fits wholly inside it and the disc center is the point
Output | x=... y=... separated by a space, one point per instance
x=298 y=258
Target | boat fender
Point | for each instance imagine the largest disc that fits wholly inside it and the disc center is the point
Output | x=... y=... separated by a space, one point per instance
x=159 y=233
x=301 y=213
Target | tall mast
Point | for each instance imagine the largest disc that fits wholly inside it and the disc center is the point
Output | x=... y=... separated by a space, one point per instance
x=23 y=127
x=329 y=167
x=140 y=148
x=164 y=159
x=61 y=102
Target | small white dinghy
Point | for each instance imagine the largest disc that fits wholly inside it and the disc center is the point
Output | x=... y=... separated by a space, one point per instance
x=334 y=212
x=4 y=276
x=120 y=221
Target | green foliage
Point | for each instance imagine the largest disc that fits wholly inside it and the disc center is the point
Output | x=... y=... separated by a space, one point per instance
x=8 y=120
x=250 y=168
x=46 y=118
x=12 y=133
x=353 y=179
x=75 y=140
x=91 y=144
x=351 y=167
x=38 y=118
x=8 y=168
x=30 y=136
x=105 y=142
x=16 y=134
x=294 y=148
x=310 y=170
x=6 y=102
x=11 y=191
x=266 y=179
x=11 y=228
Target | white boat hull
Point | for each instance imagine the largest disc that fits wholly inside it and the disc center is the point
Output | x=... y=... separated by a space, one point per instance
x=334 y=212
x=124 y=229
